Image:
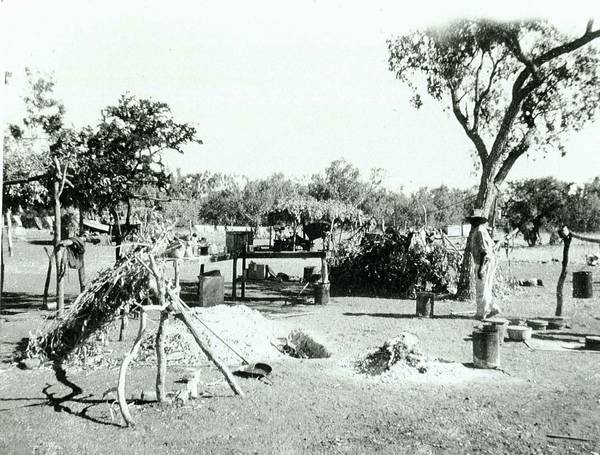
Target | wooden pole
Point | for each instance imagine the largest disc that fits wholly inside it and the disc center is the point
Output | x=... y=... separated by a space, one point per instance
x=124 y=323
x=48 y=276
x=60 y=293
x=566 y=236
x=207 y=352
x=161 y=358
x=324 y=270
x=234 y=279
x=81 y=271
x=243 y=287
x=123 y=370
x=9 y=233
x=176 y=269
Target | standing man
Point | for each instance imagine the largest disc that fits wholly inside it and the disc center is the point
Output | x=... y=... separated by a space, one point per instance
x=482 y=251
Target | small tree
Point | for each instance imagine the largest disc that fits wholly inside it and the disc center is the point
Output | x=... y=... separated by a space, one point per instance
x=534 y=204
x=124 y=154
x=513 y=87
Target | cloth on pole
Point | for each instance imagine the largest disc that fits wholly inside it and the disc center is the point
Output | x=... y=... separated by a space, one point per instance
x=75 y=253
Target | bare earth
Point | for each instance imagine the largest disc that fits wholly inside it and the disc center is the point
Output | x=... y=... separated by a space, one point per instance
x=319 y=405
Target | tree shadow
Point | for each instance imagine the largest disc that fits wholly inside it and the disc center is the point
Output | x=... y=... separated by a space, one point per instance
x=41 y=242
x=409 y=316
x=59 y=404
x=20 y=301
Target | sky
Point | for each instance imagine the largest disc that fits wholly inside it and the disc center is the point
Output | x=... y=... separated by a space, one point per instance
x=273 y=86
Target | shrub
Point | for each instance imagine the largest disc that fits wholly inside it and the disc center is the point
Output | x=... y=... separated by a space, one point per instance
x=392 y=265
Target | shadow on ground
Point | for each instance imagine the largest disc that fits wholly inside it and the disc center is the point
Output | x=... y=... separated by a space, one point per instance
x=20 y=301
x=63 y=403
x=409 y=316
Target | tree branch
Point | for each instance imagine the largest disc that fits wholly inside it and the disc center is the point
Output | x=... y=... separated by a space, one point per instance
x=513 y=156
x=571 y=46
x=521 y=91
x=471 y=133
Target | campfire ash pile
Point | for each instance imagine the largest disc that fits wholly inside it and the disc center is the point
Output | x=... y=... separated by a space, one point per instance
x=399 y=351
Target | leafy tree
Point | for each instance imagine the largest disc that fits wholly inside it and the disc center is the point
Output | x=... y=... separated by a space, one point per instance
x=260 y=196
x=534 y=204
x=452 y=205
x=341 y=182
x=581 y=210
x=26 y=148
x=124 y=155
x=222 y=204
x=513 y=87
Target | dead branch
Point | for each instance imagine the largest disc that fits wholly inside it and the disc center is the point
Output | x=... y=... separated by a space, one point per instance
x=123 y=370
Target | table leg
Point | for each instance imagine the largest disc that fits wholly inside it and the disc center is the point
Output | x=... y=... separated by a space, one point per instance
x=243 y=277
x=324 y=271
x=234 y=280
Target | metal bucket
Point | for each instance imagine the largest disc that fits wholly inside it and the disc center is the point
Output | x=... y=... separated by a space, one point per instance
x=322 y=293
x=485 y=347
x=425 y=302
x=582 y=285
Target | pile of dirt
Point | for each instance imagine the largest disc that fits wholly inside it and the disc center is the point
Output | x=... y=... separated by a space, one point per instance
x=247 y=331
x=401 y=351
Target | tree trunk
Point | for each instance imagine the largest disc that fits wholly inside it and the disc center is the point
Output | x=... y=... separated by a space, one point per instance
x=161 y=358
x=118 y=235
x=485 y=201
x=563 y=274
x=81 y=271
x=60 y=293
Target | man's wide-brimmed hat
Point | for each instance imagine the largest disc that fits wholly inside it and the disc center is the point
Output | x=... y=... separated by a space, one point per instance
x=477 y=215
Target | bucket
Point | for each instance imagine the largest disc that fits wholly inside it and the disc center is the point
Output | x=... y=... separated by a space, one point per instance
x=322 y=293
x=582 y=285
x=485 y=347
x=308 y=273
x=501 y=325
x=425 y=304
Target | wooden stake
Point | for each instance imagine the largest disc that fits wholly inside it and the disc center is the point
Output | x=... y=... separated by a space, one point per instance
x=161 y=358
x=124 y=323
x=9 y=233
x=566 y=236
x=244 y=276
x=324 y=271
x=123 y=370
x=234 y=279
x=60 y=292
x=48 y=276
x=220 y=366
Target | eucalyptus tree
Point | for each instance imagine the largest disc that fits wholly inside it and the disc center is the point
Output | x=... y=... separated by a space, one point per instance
x=513 y=87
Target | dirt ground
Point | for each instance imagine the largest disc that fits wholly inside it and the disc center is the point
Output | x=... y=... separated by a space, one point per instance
x=318 y=405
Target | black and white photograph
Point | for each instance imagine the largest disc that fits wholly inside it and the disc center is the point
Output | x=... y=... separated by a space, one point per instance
x=299 y=227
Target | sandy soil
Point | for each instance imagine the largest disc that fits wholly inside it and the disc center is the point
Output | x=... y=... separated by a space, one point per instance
x=318 y=405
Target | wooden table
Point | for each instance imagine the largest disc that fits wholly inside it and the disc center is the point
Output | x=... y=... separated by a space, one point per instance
x=323 y=255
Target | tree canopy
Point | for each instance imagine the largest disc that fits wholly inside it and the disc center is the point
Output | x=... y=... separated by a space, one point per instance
x=123 y=153
x=514 y=87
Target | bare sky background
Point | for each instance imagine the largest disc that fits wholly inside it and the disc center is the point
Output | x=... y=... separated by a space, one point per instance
x=273 y=86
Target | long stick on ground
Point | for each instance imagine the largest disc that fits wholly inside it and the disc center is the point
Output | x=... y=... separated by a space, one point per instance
x=123 y=370
x=211 y=357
